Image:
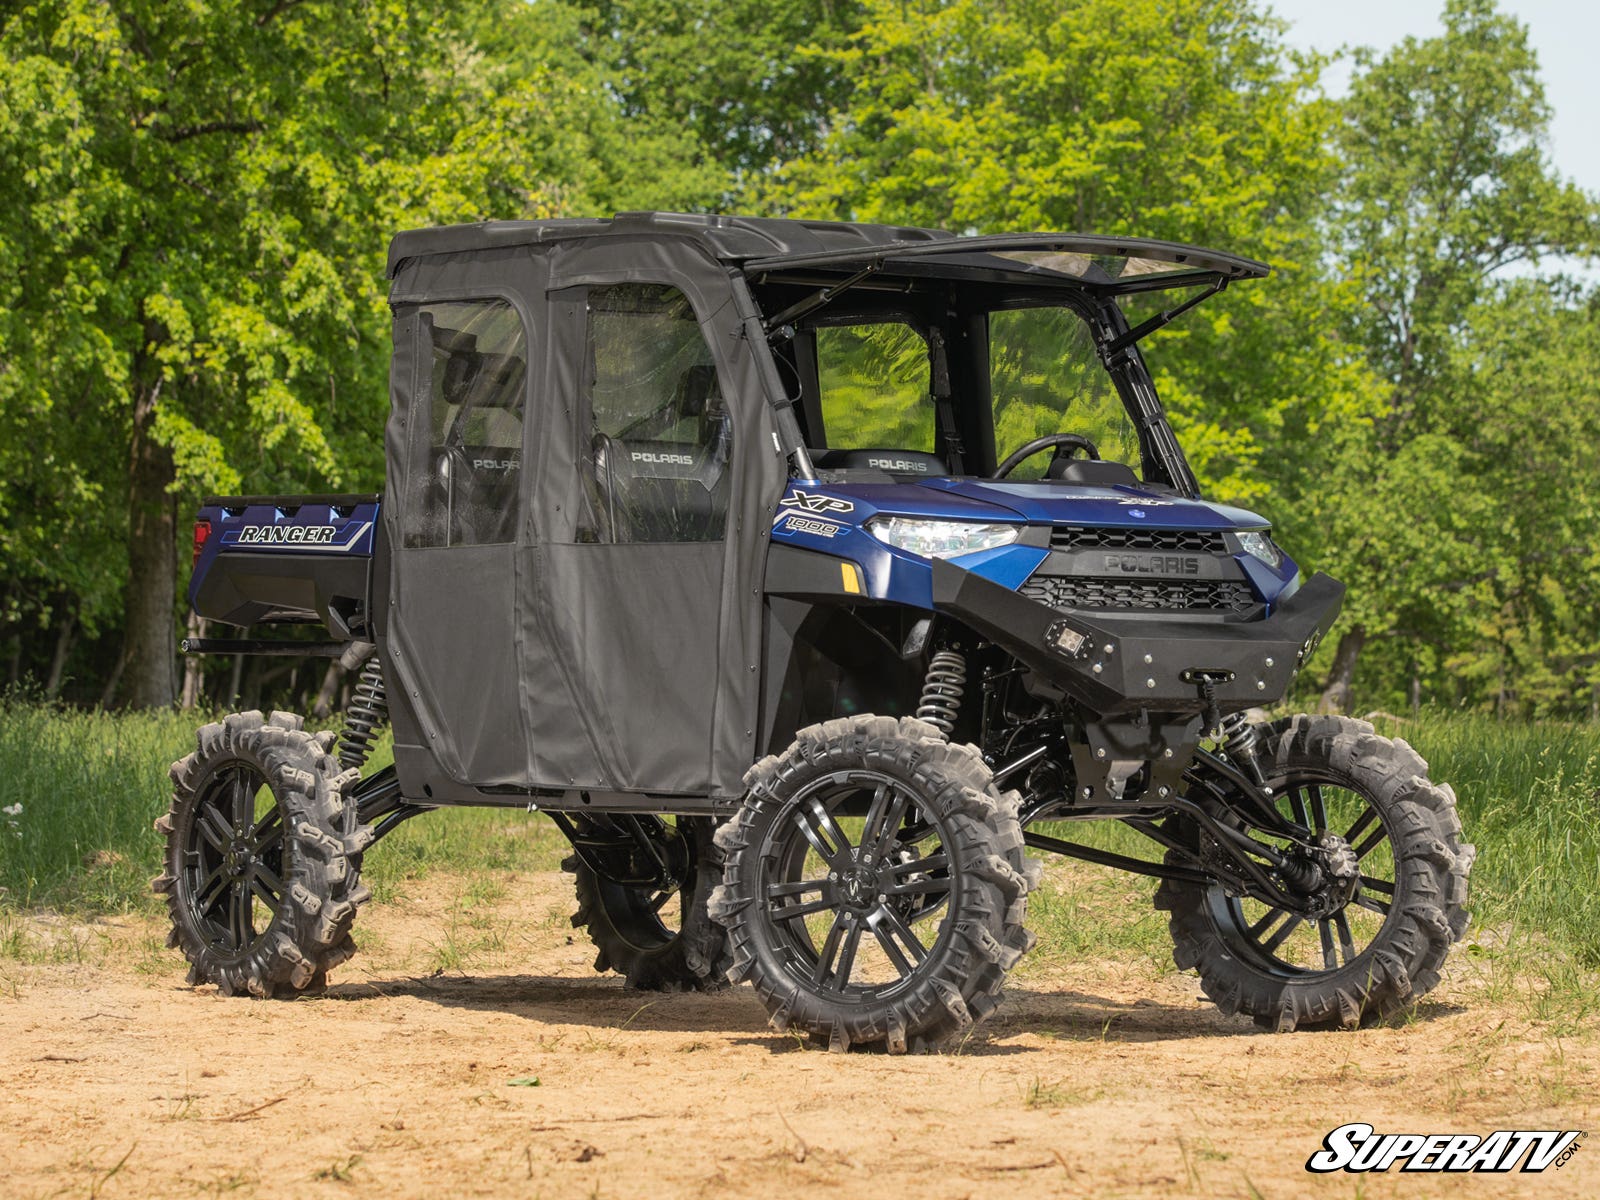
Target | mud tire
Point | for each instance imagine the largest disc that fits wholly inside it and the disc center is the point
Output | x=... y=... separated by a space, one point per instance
x=959 y=982
x=318 y=861
x=631 y=941
x=1428 y=912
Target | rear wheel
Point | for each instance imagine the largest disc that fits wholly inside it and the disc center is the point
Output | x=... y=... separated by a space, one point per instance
x=1396 y=868
x=262 y=856
x=875 y=885
x=656 y=934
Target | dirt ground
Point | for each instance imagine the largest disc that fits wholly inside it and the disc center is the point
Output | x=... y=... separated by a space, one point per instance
x=471 y=1051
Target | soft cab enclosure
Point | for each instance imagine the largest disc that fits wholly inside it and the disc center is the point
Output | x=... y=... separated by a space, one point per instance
x=575 y=439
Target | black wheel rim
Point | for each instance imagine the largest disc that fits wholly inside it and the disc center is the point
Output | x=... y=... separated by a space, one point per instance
x=650 y=918
x=233 y=870
x=845 y=895
x=1293 y=945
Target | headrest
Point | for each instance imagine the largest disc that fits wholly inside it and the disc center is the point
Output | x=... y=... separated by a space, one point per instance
x=895 y=462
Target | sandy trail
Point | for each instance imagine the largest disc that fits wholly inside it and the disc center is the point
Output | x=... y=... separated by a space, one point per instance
x=1096 y=1079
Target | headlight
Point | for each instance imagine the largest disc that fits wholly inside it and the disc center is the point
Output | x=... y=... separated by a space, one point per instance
x=1257 y=544
x=940 y=539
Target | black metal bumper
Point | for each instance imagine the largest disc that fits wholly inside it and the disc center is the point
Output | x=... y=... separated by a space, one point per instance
x=1114 y=663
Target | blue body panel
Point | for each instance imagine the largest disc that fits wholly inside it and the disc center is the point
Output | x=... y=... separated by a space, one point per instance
x=286 y=526
x=831 y=518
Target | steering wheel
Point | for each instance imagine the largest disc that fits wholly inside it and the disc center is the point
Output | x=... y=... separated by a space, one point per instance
x=1056 y=441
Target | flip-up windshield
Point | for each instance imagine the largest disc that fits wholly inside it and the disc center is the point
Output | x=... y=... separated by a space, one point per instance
x=1100 y=264
x=946 y=356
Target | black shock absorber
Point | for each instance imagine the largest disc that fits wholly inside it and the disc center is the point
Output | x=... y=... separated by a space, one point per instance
x=364 y=719
x=942 y=689
x=1239 y=737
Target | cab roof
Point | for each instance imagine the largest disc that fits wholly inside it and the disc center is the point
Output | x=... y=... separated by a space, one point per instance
x=772 y=246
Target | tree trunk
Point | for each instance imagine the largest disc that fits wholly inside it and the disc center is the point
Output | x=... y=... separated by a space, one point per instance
x=58 y=661
x=1336 y=696
x=150 y=649
x=193 y=680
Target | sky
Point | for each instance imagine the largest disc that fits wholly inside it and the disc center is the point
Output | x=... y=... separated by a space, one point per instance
x=1564 y=34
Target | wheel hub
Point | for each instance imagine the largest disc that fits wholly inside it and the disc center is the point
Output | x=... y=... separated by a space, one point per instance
x=859 y=887
x=1328 y=873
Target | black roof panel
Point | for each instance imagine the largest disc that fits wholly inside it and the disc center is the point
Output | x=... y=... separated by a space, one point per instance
x=765 y=245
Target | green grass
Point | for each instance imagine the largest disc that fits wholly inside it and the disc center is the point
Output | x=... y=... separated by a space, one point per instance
x=1529 y=797
x=90 y=784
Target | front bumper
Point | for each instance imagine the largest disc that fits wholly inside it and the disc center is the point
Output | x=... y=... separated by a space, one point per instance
x=1145 y=660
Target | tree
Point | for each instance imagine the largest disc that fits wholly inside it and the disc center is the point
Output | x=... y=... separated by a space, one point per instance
x=751 y=80
x=199 y=199
x=1447 y=184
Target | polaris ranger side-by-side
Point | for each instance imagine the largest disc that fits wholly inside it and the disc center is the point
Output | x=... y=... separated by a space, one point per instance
x=806 y=573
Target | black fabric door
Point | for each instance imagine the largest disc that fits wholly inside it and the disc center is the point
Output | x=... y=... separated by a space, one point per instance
x=455 y=512
x=643 y=622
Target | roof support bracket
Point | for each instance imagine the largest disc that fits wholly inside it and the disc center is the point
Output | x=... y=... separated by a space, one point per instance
x=775 y=325
x=1165 y=317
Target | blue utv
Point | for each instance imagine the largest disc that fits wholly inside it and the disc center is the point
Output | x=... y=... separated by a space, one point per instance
x=806 y=574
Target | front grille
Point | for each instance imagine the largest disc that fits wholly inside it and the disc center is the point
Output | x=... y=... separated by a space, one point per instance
x=1182 y=595
x=1076 y=537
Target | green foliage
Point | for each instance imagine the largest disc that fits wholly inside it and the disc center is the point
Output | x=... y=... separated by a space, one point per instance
x=1463 y=517
x=198 y=200
x=749 y=80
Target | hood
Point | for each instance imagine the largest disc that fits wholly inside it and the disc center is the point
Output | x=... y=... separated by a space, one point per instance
x=1040 y=503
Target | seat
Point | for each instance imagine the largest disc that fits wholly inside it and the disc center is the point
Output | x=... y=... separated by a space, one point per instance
x=658 y=491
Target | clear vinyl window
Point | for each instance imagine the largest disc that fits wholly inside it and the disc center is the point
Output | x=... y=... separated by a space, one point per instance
x=659 y=433
x=874 y=385
x=465 y=485
x=1046 y=377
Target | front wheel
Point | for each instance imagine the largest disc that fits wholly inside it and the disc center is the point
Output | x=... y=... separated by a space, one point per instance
x=875 y=885
x=1379 y=944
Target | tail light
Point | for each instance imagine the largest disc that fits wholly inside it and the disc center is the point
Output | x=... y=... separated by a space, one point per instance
x=202 y=531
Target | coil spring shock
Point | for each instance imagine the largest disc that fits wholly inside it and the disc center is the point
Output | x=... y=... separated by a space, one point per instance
x=942 y=689
x=369 y=708
x=1239 y=738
